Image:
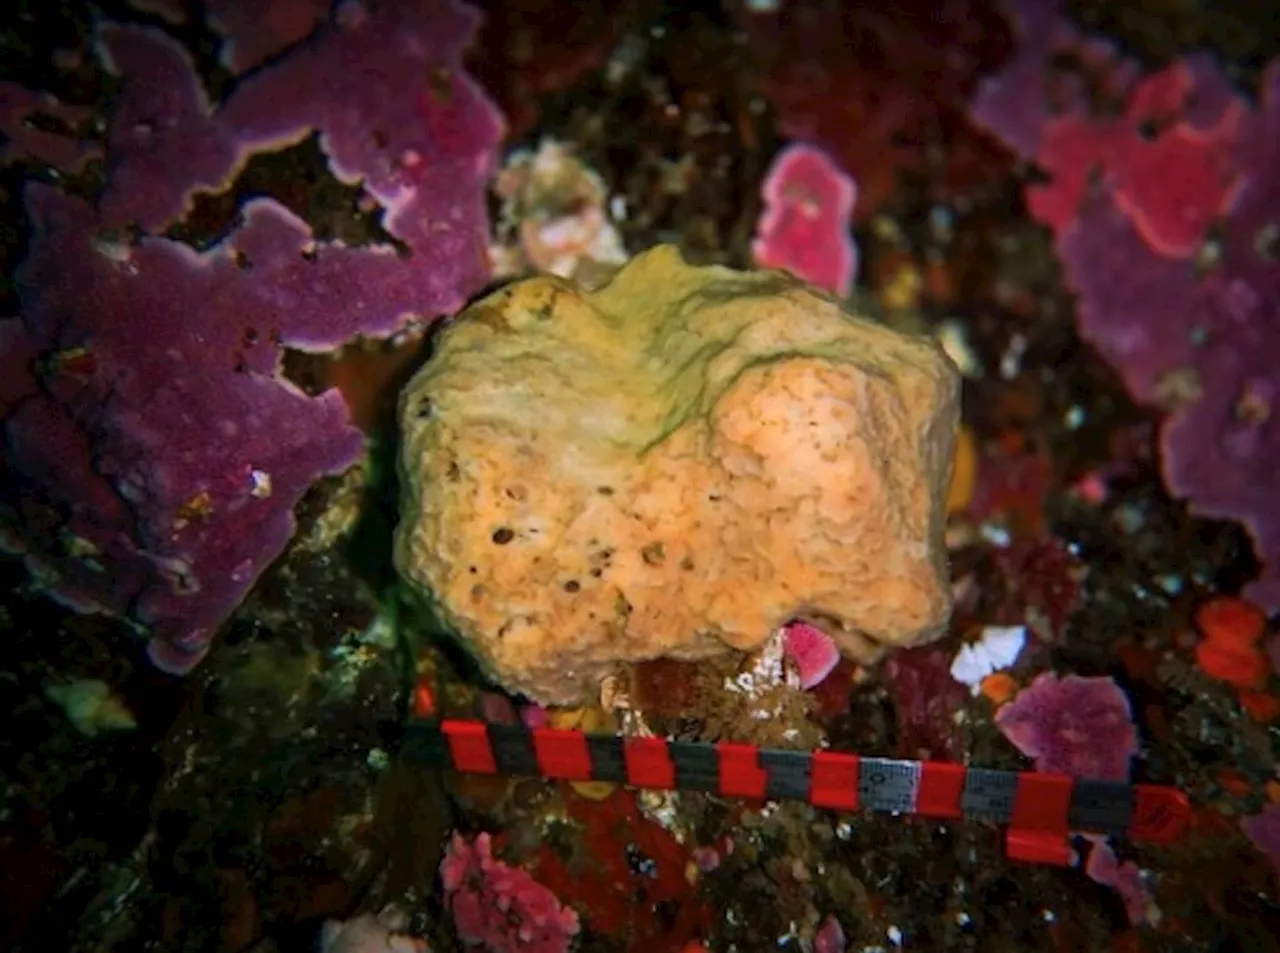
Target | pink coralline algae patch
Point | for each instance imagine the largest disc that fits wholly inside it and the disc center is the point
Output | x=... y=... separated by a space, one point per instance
x=1202 y=345
x=1125 y=877
x=806 y=220
x=380 y=83
x=160 y=454
x=23 y=138
x=255 y=32
x=811 y=650
x=155 y=449
x=1163 y=195
x=500 y=908
x=1174 y=211
x=1172 y=178
x=1076 y=725
x=1168 y=158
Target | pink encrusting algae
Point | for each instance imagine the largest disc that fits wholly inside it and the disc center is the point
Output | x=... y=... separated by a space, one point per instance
x=499 y=907
x=1076 y=725
x=811 y=650
x=805 y=225
x=1163 y=212
x=156 y=456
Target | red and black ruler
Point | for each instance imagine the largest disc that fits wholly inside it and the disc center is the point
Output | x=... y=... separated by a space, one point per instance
x=1041 y=810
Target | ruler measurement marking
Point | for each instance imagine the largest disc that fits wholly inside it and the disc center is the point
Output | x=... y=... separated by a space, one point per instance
x=988 y=795
x=697 y=766
x=607 y=760
x=1103 y=807
x=786 y=773
x=888 y=784
x=513 y=751
x=1027 y=801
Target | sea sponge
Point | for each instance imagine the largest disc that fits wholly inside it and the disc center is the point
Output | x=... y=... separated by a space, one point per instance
x=674 y=466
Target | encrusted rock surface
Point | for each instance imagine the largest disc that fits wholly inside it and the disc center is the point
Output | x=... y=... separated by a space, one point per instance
x=674 y=465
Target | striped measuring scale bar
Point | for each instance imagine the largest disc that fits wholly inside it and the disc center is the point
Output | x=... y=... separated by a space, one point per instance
x=1040 y=810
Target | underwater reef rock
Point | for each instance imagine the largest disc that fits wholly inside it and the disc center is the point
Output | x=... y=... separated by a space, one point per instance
x=674 y=466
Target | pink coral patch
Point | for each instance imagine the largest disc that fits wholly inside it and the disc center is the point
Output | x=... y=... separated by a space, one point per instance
x=1104 y=867
x=1076 y=725
x=814 y=653
x=499 y=907
x=805 y=225
x=1171 y=177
